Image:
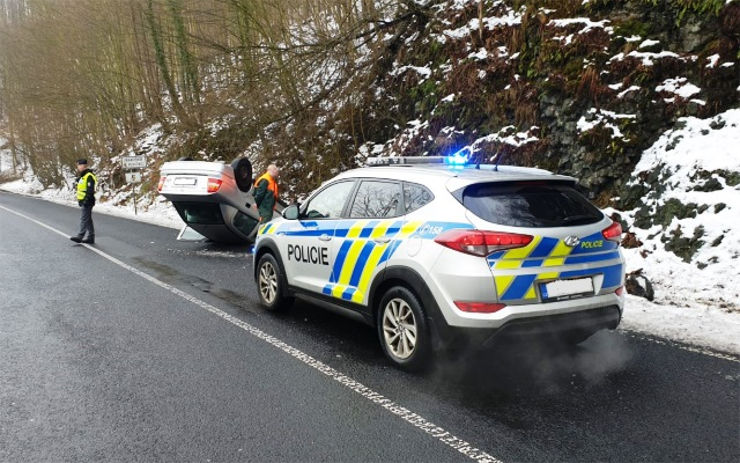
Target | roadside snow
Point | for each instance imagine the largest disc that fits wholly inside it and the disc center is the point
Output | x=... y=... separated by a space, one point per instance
x=700 y=326
x=159 y=213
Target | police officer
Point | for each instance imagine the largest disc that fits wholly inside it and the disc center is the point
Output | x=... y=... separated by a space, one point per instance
x=266 y=192
x=86 y=182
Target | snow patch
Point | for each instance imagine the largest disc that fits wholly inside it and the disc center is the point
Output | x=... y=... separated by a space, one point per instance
x=678 y=86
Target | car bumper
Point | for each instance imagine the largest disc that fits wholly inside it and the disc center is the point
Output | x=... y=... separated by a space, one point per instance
x=522 y=329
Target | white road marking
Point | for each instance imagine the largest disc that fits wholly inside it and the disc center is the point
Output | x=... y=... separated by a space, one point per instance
x=679 y=345
x=410 y=417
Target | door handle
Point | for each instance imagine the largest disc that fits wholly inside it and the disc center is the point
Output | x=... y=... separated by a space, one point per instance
x=381 y=240
x=325 y=237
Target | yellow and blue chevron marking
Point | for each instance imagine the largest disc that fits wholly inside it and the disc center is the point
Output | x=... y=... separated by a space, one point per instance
x=545 y=252
x=359 y=255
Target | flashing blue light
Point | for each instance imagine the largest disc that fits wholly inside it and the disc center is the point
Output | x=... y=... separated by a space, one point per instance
x=457 y=159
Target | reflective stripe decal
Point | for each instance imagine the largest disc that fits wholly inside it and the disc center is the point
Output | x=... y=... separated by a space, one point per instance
x=545 y=247
x=339 y=261
x=361 y=263
x=592 y=257
x=519 y=287
x=523 y=287
x=359 y=255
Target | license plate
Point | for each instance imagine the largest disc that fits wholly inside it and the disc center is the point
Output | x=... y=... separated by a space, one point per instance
x=185 y=181
x=566 y=288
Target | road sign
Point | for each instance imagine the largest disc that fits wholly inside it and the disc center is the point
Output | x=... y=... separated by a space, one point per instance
x=134 y=162
x=133 y=177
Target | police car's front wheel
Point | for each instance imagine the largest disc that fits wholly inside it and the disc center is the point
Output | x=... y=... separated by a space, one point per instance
x=403 y=330
x=270 y=284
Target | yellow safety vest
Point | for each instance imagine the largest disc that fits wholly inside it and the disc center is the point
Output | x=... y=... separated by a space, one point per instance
x=82 y=185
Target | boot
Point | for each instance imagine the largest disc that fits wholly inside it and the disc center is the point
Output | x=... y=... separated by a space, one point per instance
x=76 y=239
x=89 y=240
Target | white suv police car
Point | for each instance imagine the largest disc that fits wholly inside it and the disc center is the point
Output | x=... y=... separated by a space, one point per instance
x=440 y=255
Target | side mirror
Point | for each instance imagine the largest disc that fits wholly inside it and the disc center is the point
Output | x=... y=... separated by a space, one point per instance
x=291 y=212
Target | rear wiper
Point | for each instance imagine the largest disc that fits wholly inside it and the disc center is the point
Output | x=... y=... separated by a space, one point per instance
x=577 y=218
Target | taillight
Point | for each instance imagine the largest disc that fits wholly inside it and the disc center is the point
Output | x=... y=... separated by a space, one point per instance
x=479 y=307
x=613 y=232
x=214 y=184
x=619 y=291
x=161 y=183
x=481 y=243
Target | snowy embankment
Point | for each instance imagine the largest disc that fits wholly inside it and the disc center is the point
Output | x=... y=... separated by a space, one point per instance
x=695 y=296
x=687 y=223
x=158 y=213
x=151 y=208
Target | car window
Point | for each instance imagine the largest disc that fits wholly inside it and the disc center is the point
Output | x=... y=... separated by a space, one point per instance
x=329 y=202
x=244 y=223
x=376 y=199
x=415 y=196
x=200 y=213
x=530 y=204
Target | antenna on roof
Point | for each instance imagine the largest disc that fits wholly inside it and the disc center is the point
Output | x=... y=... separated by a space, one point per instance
x=499 y=156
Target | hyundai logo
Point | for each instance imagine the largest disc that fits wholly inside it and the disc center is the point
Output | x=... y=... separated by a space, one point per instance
x=572 y=241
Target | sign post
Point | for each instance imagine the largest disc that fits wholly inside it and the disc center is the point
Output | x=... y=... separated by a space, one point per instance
x=133 y=165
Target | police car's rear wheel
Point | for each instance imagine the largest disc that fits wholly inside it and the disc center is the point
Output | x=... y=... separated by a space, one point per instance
x=402 y=329
x=270 y=284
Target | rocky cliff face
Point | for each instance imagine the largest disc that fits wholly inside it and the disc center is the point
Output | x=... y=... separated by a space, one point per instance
x=580 y=88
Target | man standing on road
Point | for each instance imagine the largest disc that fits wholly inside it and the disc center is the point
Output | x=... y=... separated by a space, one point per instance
x=266 y=193
x=86 y=182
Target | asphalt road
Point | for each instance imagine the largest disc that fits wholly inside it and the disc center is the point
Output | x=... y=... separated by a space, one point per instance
x=98 y=363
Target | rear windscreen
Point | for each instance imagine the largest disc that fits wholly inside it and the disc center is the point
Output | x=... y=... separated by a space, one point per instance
x=200 y=213
x=529 y=204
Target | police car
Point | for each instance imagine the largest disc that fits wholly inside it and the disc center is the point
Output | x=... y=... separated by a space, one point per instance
x=439 y=255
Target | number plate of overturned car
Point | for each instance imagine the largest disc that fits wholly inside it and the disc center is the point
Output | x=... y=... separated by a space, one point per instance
x=565 y=289
x=180 y=181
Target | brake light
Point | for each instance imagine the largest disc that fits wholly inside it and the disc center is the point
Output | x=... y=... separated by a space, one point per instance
x=214 y=184
x=481 y=243
x=613 y=232
x=479 y=307
x=161 y=183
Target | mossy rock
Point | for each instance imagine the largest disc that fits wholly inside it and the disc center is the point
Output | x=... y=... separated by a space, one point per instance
x=682 y=246
x=710 y=185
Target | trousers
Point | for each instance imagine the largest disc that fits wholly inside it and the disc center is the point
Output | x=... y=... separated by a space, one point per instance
x=86 y=222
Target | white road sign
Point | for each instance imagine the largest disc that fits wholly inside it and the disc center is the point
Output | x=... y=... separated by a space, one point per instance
x=134 y=162
x=133 y=177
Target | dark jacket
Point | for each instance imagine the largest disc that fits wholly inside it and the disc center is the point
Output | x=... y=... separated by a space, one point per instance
x=89 y=199
x=265 y=201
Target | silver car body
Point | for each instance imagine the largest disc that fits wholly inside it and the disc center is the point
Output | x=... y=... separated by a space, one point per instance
x=343 y=261
x=226 y=215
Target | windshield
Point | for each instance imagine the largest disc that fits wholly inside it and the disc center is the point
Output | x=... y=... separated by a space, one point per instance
x=529 y=204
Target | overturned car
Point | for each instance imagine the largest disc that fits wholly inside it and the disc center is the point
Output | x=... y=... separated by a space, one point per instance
x=213 y=198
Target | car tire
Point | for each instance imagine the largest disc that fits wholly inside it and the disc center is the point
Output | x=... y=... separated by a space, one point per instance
x=271 y=285
x=242 y=174
x=403 y=330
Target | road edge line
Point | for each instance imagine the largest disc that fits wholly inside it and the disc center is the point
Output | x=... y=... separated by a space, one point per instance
x=417 y=421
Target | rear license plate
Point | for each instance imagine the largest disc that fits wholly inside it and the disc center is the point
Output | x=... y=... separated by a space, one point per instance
x=185 y=181
x=563 y=289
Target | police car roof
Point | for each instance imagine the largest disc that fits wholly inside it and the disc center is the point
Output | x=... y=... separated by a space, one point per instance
x=462 y=175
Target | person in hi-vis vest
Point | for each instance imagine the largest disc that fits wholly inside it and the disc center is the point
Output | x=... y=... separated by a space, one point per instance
x=266 y=192
x=85 y=187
